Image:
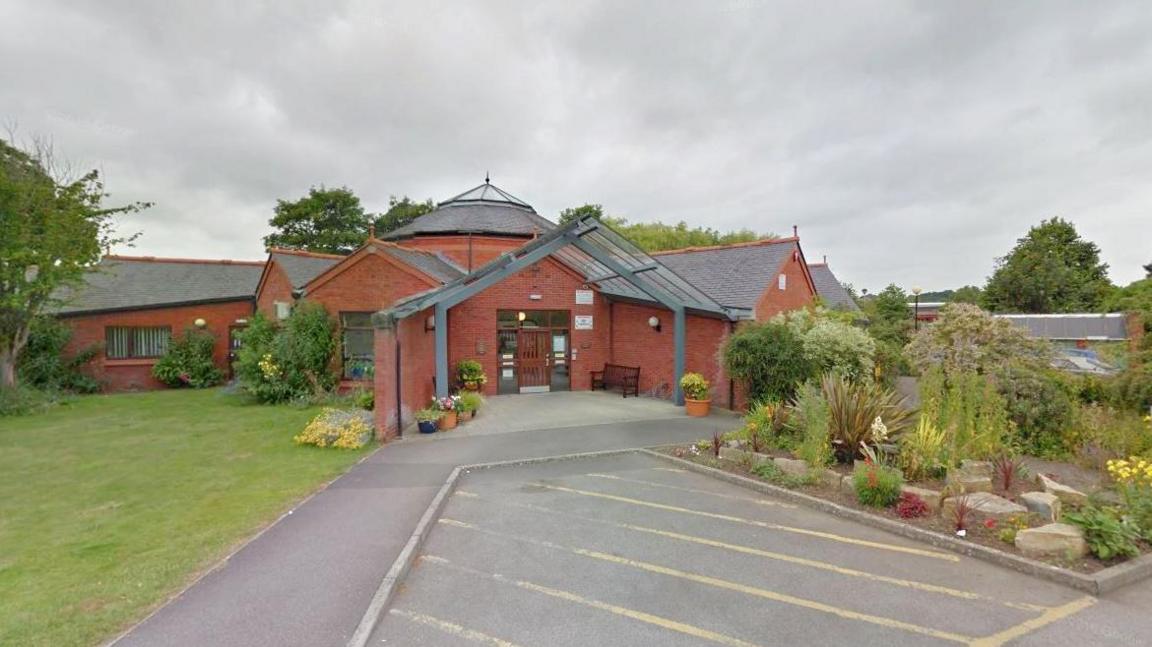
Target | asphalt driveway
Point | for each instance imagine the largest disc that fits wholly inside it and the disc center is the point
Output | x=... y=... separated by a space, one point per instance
x=627 y=550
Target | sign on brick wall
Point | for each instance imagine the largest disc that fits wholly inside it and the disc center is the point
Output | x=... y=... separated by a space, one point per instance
x=584 y=298
x=582 y=322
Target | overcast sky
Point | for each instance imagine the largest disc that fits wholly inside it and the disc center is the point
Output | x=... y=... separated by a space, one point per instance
x=910 y=142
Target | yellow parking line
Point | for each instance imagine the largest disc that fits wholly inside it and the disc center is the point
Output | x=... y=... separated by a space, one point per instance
x=726 y=584
x=1024 y=628
x=452 y=628
x=749 y=550
x=761 y=524
x=665 y=623
x=745 y=499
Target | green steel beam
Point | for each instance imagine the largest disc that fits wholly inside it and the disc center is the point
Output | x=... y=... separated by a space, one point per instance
x=441 y=350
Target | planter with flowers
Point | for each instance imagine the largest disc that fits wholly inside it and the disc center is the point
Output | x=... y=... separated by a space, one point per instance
x=449 y=409
x=426 y=420
x=471 y=374
x=696 y=400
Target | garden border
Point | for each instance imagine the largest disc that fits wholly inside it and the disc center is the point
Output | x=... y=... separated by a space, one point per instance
x=1107 y=580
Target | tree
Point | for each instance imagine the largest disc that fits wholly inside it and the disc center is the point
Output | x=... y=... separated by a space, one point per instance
x=889 y=317
x=769 y=359
x=967 y=339
x=326 y=220
x=967 y=294
x=1148 y=270
x=1051 y=269
x=658 y=236
x=573 y=213
x=54 y=230
x=401 y=212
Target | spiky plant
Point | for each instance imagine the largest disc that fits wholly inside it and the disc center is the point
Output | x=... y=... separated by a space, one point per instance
x=853 y=408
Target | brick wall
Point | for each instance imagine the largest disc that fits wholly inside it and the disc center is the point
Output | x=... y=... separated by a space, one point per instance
x=417 y=366
x=484 y=248
x=798 y=292
x=369 y=282
x=635 y=343
x=472 y=324
x=275 y=287
x=132 y=374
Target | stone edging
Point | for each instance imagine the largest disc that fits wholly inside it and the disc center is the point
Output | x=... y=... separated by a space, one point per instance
x=1098 y=583
x=403 y=563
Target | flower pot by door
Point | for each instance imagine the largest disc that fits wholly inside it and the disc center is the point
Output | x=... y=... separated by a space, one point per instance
x=448 y=420
x=697 y=408
x=427 y=426
x=471 y=386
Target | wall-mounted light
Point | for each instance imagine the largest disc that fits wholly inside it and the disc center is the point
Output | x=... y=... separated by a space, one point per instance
x=200 y=323
x=521 y=316
x=430 y=323
x=654 y=322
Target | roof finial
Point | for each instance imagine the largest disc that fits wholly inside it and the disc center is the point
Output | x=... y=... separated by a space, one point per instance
x=795 y=231
x=825 y=259
x=486 y=178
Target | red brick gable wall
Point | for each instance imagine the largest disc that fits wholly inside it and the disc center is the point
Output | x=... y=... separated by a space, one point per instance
x=133 y=374
x=369 y=284
x=635 y=343
x=472 y=324
x=798 y=292
x=417 y=366
x=484 y=248
x=275 y=287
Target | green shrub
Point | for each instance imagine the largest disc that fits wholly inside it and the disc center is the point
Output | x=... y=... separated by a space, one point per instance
x=290 y=361
x=877 y=485
x=966 y=339
x=1107 y=535
x=471 y=401
x=470 y=370
x=810 y=418
x=1132 y=389
x=769 y=359
x=22 y=400
x=188 y=361
x=853 y=409
x=1041 y=407
x=1102 y=432
x=364 y=399
x=773 y=474
x=764 y=427
x=694 y=386
x=335 y=428
x=971 y=412
x=43 y=364
x=922 y=451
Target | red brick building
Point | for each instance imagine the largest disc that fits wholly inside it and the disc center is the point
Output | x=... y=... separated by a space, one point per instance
x=482 y=277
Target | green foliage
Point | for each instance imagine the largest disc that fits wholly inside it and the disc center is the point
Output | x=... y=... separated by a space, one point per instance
x=774 y=475
x=971 y=412
x=471 y=370
x=1137 y=510
x=854 y=407
x=809 y=416
x=889 y=317
x=471 y=401
x=53 y=233
x=877 y=485
x=336 y=428
x=428 y=414
x=326 y=220
x=43 y=364
x=766 y=425
x=401 y=212
x=1134 y=297
x=967 y=339
x=769 y=359
x=694 y=386
x=1040 y=405
x=967 y=294
x=1051 y=269
x=890 y=362
x=1132 y=389
x=830 y=344
x=363 y=399
x=22 y=400
x=289 y=361
x=922 y=451
x=1107 y=535
x=658 y=236
x=1102 y=432
x=188 y=361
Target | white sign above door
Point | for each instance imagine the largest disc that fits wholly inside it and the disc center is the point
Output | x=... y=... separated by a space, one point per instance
x=583 y=297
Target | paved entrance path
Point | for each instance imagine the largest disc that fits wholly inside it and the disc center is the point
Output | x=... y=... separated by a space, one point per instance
x=308 y=579
x=627 y=550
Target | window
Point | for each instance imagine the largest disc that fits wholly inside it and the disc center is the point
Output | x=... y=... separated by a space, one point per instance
x=132 y=342
x=283 y=310
x=782 y=282
x=357 y=334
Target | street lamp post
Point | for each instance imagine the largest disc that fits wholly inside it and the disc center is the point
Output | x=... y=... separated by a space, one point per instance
x=916 y=309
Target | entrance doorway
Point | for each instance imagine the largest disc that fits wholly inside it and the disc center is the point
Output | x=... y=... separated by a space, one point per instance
x=533 y=351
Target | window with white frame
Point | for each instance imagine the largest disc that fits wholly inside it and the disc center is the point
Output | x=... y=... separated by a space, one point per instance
x=782 y=282
x=356 y=337
x=136 y=342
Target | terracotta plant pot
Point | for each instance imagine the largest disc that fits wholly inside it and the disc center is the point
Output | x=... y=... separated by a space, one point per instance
x=697 y=408
x=471 y=386
x=448 y=420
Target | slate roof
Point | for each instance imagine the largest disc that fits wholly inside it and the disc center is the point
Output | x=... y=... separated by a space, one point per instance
x=302 y=267
x=830 y=289
x=485 y=209
x=128 y=282
x=434 y=265
x=734 y=275
x=1072 y=326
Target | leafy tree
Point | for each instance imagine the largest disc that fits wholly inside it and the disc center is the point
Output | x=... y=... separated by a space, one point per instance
x=966 y=339
x=293 y=360
x=189 y=362
x=658 y=236
x=769 y=359
x=54 y=230
x=326 y=220
x=401 y=212
x=889 y=317
x=967 y=294
x=830 y=344
x=43 y=364
x=1134 y=297
x=1051 y=269
x=1148 y=269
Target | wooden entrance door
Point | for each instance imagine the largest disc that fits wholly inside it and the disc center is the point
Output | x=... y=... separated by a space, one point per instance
x=533 y=355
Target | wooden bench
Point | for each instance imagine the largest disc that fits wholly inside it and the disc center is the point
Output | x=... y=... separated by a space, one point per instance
x=614 y=376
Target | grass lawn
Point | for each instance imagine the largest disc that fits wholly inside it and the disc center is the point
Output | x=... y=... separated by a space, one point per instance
x=109 y=504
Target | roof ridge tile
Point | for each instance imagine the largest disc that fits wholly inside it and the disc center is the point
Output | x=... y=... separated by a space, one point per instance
x=709 y=248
